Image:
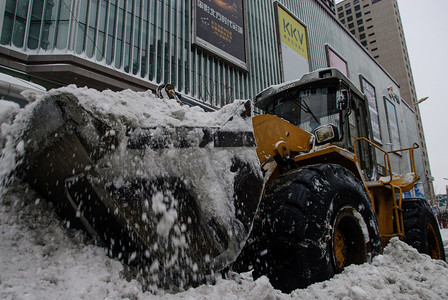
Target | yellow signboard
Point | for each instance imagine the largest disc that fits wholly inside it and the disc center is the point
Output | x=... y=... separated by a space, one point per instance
x=292 y=33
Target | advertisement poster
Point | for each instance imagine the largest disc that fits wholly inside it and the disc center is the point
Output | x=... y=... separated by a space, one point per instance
x=219 y=27
x=369 y=91
x=419 y=190
x=335 y=61
x=393 y=124
x=293 y=44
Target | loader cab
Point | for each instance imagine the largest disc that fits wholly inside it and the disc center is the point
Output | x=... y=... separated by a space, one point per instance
x=310 y=107
x=326 y=104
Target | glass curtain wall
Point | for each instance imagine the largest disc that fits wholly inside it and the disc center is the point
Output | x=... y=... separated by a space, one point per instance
x=149 y=39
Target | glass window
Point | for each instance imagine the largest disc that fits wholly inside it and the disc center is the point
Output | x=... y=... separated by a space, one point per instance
x=93 y=13
x=91 y=33
x=8 y=21
x=63 y=24
x=136 y=43
x=19 y=32
x=127 y=45
x=49 y=25
x=102 y=21
x=145 y=30
x=152 y=46
x=359 y=22
x=350 y=18
x=102 y=16
x=82 y=28
x=348 y=11
x=357 y=7
x=159 y=46
x=35 y=24
x=361 y=29
x=362 y=36
x=10 y=6
x=351 y=25
x=359 y=15
x=61 y=39
x=309 y=108
x=353 y=119
x=7 y=29
x=341 y=15
x=111 y=33
x=120 y=32
x=90 y=42
x=20 y=23
x=110 y=49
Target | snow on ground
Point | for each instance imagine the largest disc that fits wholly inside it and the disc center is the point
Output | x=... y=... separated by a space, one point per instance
x=40 y=259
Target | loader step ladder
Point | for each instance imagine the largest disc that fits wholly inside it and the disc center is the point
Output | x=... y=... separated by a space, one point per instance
x=397 y=184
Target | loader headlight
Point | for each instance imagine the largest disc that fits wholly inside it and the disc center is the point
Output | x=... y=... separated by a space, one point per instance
x=326 y=134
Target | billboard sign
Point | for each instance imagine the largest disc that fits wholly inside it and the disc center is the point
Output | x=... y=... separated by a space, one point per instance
x=419 y=190
x=219 y=26
x=334 y=60
x=392 y=121
x=293 y=40
x=369 y=91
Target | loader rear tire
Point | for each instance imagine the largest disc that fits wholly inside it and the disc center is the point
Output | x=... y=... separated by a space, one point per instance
x=314 y=221
x=421 y=228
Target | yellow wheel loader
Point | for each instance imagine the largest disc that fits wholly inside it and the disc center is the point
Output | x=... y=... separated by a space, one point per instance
x=326 y=205
x=296 y=193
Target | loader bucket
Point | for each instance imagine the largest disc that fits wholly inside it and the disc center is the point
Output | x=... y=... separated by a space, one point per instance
x=166 y=188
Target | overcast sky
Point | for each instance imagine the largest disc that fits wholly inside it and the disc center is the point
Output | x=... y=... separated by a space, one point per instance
x=425 y=24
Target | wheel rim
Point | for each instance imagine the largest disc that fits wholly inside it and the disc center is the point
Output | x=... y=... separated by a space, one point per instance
x=348 y=239
x=433 y=244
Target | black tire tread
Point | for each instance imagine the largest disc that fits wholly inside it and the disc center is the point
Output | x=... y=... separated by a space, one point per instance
x=416 y=214
x=290 y=227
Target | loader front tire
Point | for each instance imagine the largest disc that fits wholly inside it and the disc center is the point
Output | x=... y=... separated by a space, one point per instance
x=314 y=221
x=421 y=228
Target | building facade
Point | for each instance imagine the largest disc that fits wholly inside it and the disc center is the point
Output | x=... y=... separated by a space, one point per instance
x=377 y=25
x=213 y=51
x=331 y=4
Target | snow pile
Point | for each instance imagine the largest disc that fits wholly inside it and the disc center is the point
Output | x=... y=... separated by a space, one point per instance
x=400 y=273
x=144 y=109
x=8 y=110
x=169 y=171
x=40 y=259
